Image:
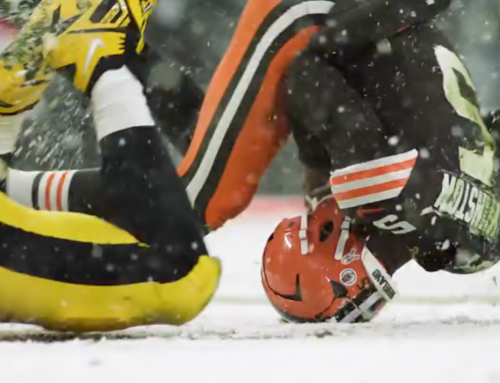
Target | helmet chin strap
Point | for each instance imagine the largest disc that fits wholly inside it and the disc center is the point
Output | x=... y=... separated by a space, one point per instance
x=378 y=274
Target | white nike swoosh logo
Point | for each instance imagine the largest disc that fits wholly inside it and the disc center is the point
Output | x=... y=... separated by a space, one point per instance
x=94 y=45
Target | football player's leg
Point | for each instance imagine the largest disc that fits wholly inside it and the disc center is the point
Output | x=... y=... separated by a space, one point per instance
x=138 y=181
x=241 y=125
x=138 y=185
x=102 y=287
x=174 y=111
x=140 y=189
x=168 y=279
x=134 y=156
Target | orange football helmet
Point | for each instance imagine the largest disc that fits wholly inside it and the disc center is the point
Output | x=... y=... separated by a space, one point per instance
x=314 y=269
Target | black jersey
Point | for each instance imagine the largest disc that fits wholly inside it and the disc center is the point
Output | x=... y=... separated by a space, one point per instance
x=411 y=160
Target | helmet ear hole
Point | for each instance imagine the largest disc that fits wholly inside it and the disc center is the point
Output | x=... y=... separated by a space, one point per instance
x=325 y=231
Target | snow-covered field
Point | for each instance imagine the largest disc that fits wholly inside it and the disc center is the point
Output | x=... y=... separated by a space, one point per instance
x=440 y=331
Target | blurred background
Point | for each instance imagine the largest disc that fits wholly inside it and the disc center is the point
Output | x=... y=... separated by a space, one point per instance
x=191 y=36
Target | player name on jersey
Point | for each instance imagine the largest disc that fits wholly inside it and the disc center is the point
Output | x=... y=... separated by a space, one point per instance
x=465 y=202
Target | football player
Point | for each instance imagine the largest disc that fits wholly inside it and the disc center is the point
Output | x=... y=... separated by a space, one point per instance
x=396 y=129
x=143 y=260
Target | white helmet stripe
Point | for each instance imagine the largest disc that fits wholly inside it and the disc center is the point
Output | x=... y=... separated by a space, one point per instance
x=304 y=245
x=344 y=236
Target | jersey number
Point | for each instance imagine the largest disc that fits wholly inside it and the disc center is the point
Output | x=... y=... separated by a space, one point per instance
x=460 y=93
x=391 y=223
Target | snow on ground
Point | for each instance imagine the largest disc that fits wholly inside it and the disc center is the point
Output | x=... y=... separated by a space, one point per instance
x=239 y=337
x=246 y=344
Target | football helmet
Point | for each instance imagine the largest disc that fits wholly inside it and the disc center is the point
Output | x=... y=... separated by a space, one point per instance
x=315 y=269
